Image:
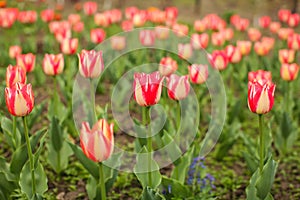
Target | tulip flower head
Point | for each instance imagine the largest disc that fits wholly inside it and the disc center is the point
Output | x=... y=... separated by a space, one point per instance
x=294 y=41
x=47 y=15
x=118 y=42
x=90 y=8
x=178 y=87
x=97 y=143
x=147 y=88
x=14 y=51
x=69 y=46
x=185 y=51
x=264 y=21
x=260 y=76
x=283 y=15
x=97 y=35
x=90 y=63
x=161 y=32
x=15 y=74
x=198 y=73
x=233 y=54
x=289 y=72
x=244 y=47
x=219 y=59
x=167 y=66
x=147 y=37
x=19 y=99
x=53 y=64
x=199 y=41
x=286 y=55
x=26 y=61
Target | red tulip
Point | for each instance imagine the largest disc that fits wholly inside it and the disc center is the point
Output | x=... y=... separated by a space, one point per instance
x=171 y=13
x=8 y=17
x=261 y=48
x=242 y=24
x=162 y=32
x=268 y=42
x=14 y=51
x=244 y=47
x=200 y=26
x=294 y=41
x=198 y=73
x=284 y=33
x=53 y=64
x=219 y=59
x=254 y=34
x=167 y=66
x=97 y=35
x=74 y=18
x=286 y=55
x=289 y=72
x=264 y=21
x=157 y=16
x=127 y=25
x=130 y=12
x=147 y=37
x=27 y=17
x=260 y=97
x=90 y=7
x=26 y=61
x=147 y=88
x=284 y=15
x=185 y=51
x=293 y=20
x=199 y=41
x=178 y=87
x=118 y=42
x=19 y=99
x=102 y=19
x=228 y=33
x=260 y=76
x=234 y=19
x=63 y=33
x=233 y=54
x=47 y=15
x=15 y=74
x=218 y=38
x=274 y=27
x=69 y=46
x=90 y=63
x=139 y=18
x=78 y=27
x=97 y=143
x=180 y=30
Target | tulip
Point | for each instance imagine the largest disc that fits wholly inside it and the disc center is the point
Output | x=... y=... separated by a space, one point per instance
x=14 y=51
x=102 y=19
x=260 y=76
x=268 y=42
x=27 y=17
x=219 y=59
x=47 y=15
x=14 y=75
x=234 y=19
x=274 y=27
x=261 y=48
x=55 y=26
x=200 y=26
x=233 y=54
x=242 y=24
x=161 y=32
x=74 y=18
x=26 y=61
x=97 y=143
x=63 y=33
x=118 y=43
x=147 y=88
x=127 y=25
x=147 y=37
x=264 y=21
x=199 y=41
x=115 y=15
x=180 y=30
x=260 y=97
x=8 y=17
x=171 y=13
x=78 y=27
x=157 y=17
x=130 y=12
x=178 y=87
x=254 y=34
x=244 y=47
x=97 y=35
x=139 y=18
x=286 y=55
x=294 y=41
x=293 y=20
x=228 y=33
x=19 y=99
x=289 y=72
x=218 y=38
x=284 y=15
x=69 y=46
x=90 y=8
x=90 y=63
x=185 y=51
x=167 y=66
x=198 y=73
x=53 y=64
x=284 y=33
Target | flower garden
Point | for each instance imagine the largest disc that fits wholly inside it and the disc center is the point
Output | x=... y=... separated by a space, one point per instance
x=136 y=103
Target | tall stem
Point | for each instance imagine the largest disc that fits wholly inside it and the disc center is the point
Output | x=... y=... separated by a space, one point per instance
x=93 y=97
x=149 y=145
x=262 y=148
x=15 y=131
x=286 y=96
x=101 y=182
x=29 y=155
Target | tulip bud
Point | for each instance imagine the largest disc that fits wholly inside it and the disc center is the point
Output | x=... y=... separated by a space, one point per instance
x=199 y=26
x=178 y=87
x=261 y=48
x=19 y=99
x=147 y=88
x=69 y=46
x=293 y=20
x=26 y=61
x=289 y=72
x=167 y=66
x=90 y=63
x=97 y=143
x=53 y=64
x=198 y=73
x=47 y=15
x=14 y=75
x=260 y=97
x=284 y=33
x=274 y=27
x=294 y=41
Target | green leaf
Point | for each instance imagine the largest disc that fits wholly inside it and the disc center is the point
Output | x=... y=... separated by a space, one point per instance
x=150 y=194
x=143 y=168
x=40 y=180
x=170 y=146
x=7 y=180
x=20 y=156
x=57 y=109
x=88 y=164
x=111 y=164
x=286 y=125
x=251 y=161
x=7 y=127
x=35 y=114
x=91 y=188
x=177 y=189
x=56 y=134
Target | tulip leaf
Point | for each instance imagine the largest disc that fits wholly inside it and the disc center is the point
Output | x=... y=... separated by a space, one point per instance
x=111 y=164
x=177 y=189
x=88 y=164
x=7 y=180
x=143 y=168
x=20 y=156
x=7 y=127
x=150 y=194
x=35 y=114
x=56 y=134
x=171 y=147
x=40 y=180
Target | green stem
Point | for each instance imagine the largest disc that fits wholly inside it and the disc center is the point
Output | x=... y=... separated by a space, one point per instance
x=101 y=182
x=262 y=148
x=15 y=132
x=286 y=96
x=29 y=155
x=93 y=98
x=149 y=145
x=178 y=120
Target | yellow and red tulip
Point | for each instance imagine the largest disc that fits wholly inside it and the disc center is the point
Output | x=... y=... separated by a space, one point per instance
x=274 y=27
x=283 y=15
x=286 y=55
x=218 y=38
x=289 y=72
x=97 y=143
x=244 y=47
x=14 y=51
x=233 y=54
x=167 y=66
x=90 y=8
x=294 y=41
x=19 y=99
x=47 y=15
x=97 y=35
x=199 y=26
x=26 y=61
x=53 y=64
x=118 y=42
x=180 y=30
x=178 y=87
x=147 y=37
x=293 y=20
x=147 y=88
x=15 y=74
x=254 y=34
x=219 y=59
x=199 y=41
x=102 y=19
x=261 y=48
x=198 y=73
x=185 y=51
x=69 y=46
x=139 y=18
x=90 y=63
x=284 y=33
